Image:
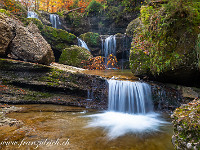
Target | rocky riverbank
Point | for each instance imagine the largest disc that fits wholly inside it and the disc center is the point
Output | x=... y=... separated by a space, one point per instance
x=5 y=121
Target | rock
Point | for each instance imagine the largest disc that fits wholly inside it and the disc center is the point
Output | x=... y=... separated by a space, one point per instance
x=164 y=51
x=93 y=41
x=123 y=45
x=5 y=35
x=29 y=45
x=58 y=39
x=132 y=27
x=186 y=126
x=74 y=55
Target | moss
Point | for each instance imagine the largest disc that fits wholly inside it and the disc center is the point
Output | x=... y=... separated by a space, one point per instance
x=92 y=39
x=57 y=38
x=186 y=125
x=35 y=21
x=74 y=56
x=166 y=37
x=5 y=12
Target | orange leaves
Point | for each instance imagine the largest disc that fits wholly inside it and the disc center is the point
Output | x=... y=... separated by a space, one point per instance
x=112 y=61
x=11 y=6
x=60 y=5
x=98 y=63
x=95 y=63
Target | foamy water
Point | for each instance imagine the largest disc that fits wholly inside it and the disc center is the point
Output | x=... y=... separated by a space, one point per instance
x=118 y=124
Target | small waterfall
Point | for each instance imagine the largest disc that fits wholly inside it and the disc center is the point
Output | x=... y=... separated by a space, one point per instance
x=55 y=21
x=82 y=43
x=129 y=97
x=32 y=14
x=130 y=110
x=109 y=46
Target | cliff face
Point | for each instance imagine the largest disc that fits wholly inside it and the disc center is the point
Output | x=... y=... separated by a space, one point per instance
x=187 y=126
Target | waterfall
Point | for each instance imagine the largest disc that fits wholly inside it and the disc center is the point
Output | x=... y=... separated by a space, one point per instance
x=32 y=14
x=130 y=110
x=109 y=46
x=82 y=43
x=129 y=97
x=55 y=21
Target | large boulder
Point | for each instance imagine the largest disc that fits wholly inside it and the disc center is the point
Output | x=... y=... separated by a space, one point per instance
x=5 y=35
x=164 y=45
x=58 y=39
x=74 y=55
x=29 y=45
x=24 y=43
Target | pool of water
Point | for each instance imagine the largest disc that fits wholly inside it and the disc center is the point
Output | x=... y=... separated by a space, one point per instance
x=70 y=126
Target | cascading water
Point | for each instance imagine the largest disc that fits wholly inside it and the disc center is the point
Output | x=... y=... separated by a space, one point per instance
x=32 y=14
x=55 y=21
x=129 y=97
x=130 y=110
x=109 y=46
x=82 y=43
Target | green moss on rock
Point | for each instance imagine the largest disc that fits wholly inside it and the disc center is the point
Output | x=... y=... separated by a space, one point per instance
x=132 y=26
x=58 y=39
x=5 y=12
x=92 y=39
x=186 y=121
x=166 y=38
x=74 y=55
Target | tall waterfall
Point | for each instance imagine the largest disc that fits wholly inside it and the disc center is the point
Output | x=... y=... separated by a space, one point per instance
x=32 y=14
x=129 y=97
x=109 y=46
x=55 y=21
x=82 y=43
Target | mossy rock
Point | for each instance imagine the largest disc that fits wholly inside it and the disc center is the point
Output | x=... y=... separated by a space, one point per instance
x=164 y=44
x=132 y=26
x=77 y=22
x=187 y=126
x=35 y=21
x=58 y=39
x=74 y=55
x=92 y=39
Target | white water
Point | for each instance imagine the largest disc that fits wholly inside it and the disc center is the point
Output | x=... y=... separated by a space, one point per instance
x=55 y=21
x=32 y=14
x=129 y=97
x=130 y=110
x=109 y=46
x=82 y=43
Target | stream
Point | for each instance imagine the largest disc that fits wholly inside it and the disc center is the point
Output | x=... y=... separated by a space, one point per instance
x=69 y=126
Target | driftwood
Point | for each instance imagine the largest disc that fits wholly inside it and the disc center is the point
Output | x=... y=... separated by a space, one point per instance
x=72 y=10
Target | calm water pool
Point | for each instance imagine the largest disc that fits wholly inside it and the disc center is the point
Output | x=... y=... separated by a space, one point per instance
x=68 y=124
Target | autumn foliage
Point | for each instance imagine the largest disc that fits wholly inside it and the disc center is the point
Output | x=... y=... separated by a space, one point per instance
x=99 y=63
x=10 y=5
x=61 y=5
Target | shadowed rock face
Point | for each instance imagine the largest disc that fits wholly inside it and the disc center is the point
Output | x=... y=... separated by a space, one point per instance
x=5 y=36
x=24 y=43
